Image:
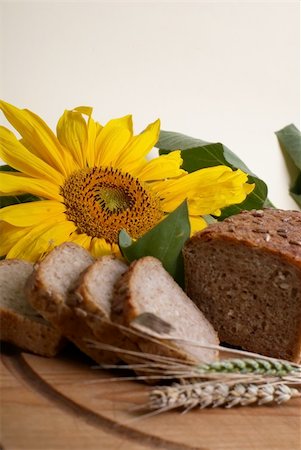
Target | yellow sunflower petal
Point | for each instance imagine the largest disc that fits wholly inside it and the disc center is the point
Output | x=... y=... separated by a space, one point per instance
x=42 y=239
x=10 y=235
x=99 y=247
x=139 y=146
x=40 y=139
x=196 y=224
x=248 y=188
x=192 y=182
x=79 y=136
x=166 y=166
x=87 y=110
x=81 y=239
x=230 y=189
x=15 y=184
x=90 y=150
x=72 y=133
x=98 y=128
x=112 y=140
x=116 y=251
x=30 y=214
x=17 y=156
x=207 y=190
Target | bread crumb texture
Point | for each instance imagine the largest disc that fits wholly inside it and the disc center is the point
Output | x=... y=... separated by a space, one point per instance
x=245 y=275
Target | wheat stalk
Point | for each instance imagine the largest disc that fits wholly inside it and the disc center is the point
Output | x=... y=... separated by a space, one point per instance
x=164 y=367
x=141 y=332
x=159 y=367
x=248 y=365
x=248 y=379
x=254 y=379
x=204 y=395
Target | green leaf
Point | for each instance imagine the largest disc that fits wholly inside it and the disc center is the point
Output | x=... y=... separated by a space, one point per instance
x=268 y=204
x=165 y=242
x=295 y=191
x=15 y=199
x=198 y=154
x=209 y=219
x=289 y=138
x=7 y=168
x=169 y=140
x=214 y=153
x=297 y=198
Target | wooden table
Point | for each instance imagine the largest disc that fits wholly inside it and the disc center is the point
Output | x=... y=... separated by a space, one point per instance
x=62 y=403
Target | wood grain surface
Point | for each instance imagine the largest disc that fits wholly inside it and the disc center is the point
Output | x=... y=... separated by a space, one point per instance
x=63 y=403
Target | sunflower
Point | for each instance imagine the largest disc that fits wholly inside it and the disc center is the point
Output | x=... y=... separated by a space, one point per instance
x=93 y=181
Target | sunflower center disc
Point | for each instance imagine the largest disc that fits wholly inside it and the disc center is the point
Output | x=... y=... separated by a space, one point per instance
x=102 y=201
x=113 y=198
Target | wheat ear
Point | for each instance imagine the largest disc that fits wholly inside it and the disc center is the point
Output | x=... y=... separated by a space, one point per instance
x=248 y=365
x=189 y=396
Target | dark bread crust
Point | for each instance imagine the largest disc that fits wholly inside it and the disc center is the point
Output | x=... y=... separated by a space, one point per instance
x=122 y=306
x=271 y=241
x=21 y=325
x=30 y=335
x=79 y=296
x=272 y=230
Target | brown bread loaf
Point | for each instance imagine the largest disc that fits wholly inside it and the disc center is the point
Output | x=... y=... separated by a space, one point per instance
x=245 y=275
x=21 y=325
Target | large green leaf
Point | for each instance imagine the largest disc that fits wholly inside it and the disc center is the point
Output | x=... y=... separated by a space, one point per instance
x=15 y=199
x=289 y=139
x=198 y=154
x=215 y=153
x=165 y=242
x=170 y=140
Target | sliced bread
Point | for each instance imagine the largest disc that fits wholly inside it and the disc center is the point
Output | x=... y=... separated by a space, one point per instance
x=245 y=275
x=93 y=291
x=48 y=288
x=147 y=289
x=92 y=298
x=21 y=325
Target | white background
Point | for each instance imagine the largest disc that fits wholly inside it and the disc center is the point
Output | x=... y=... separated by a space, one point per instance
x=220 y=71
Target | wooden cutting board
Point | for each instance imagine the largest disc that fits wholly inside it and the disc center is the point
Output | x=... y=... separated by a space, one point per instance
x=63 y=403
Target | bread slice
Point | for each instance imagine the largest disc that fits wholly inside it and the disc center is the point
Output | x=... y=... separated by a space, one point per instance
x=92 y=298
x=48 y=288
x=245 y=275
x=21 y=325
x=93 y=292
x=147 y=289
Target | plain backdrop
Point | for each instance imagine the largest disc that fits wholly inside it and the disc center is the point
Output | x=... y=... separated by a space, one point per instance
x=220 y=71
